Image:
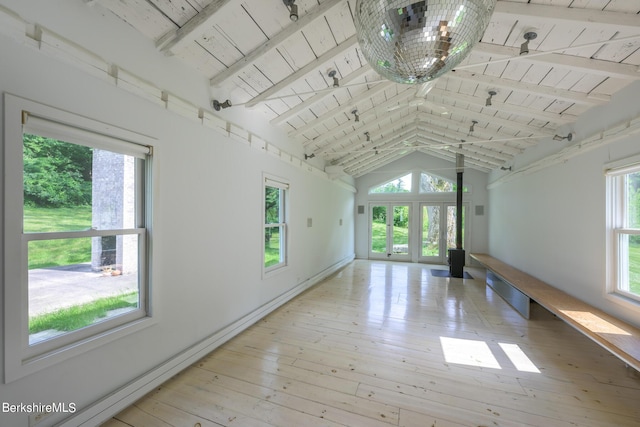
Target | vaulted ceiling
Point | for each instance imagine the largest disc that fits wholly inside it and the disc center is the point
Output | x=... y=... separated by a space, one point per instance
x=256 y=57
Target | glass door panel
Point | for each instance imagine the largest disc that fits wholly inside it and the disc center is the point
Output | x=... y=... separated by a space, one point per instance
x=438 y=231
x=400 y=230
x=430 y=232
x=389 y=231
x=451 y=226
x=378 y=233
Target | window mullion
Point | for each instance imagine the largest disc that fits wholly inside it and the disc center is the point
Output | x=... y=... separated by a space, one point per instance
x=54 y=235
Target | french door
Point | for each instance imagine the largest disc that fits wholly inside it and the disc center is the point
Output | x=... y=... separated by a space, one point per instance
x=389 y=231
x=438 y=231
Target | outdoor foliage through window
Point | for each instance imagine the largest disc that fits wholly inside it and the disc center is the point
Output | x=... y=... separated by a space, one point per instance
x=398 y=185
x=88 y=272
x=629 y=237
x=274 y=226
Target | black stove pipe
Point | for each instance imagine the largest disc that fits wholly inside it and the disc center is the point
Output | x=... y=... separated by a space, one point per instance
x=456 y=256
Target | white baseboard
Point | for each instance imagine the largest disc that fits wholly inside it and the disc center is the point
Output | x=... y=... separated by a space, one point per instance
x=115 y=402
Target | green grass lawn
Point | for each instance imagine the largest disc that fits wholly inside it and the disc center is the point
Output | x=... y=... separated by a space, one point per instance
x=379 y=236
x=634 y=268
x=272 y=250
x=79 y=316
x=54 y=253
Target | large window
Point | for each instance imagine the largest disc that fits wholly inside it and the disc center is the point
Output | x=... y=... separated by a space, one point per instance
x=76 y=232
x=398 y=185
x=275 y=224
x=624 y=221
x=417 y=182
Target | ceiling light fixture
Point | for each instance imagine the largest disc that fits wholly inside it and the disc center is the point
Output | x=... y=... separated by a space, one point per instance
x=524 y=47
x=505 y=168
x=410 y=41
x=472 y=127
x=332 y=74
x=569 y=137
x=217 y=105
x=355 y=115
x=368 y=136
x=492 y=93
x=309 y=156
x=293 y=9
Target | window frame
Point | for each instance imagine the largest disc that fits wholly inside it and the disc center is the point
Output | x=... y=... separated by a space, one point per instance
x=416 y=175
x=283 y=224
x=617 y=228
x=411 y=174
x=20 y=357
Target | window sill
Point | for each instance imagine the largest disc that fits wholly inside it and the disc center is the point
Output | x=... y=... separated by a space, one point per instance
x=274 y=271
x=16 y=367
x=623 y=300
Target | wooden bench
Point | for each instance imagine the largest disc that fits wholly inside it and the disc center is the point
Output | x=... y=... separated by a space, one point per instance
x=618 y=337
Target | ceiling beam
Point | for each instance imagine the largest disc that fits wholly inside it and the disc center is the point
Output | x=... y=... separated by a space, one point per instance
x=371 y=127
x=530 y=88
x=175 y=40
x=432 y=141
x=451 y=157
x=346 y=159
x=595 y=18
x=342 y=109
x=317 y=12
x=360 y=157
x=373 y=161
x=426 y=121
x=368 y=118
x=510 y=124
x=567 y=61
x=312 y=66
x=378 y=162
x=544 y=116
x=443 y=136
x=319 y=97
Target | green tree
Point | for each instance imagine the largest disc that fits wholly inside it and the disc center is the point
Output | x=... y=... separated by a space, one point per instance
x=400 y=216
x=271 y=211
x=56 y=173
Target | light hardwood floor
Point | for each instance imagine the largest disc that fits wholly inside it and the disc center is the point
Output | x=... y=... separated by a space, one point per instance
x=387 y=344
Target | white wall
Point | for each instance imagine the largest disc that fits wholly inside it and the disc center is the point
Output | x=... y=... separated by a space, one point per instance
x=551 y=223
x=417 y=162
x=207 y=220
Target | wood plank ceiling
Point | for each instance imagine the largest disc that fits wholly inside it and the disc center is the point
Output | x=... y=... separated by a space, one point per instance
x=257 y=57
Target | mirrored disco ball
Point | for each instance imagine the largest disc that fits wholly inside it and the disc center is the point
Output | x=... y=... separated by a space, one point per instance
x=416 y=41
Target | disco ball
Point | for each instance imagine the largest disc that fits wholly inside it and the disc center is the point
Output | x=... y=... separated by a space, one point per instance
x=416 y=41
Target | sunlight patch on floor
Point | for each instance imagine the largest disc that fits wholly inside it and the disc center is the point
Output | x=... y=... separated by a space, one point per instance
x=478 y=353
x=468 y=352
x=518 y=358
